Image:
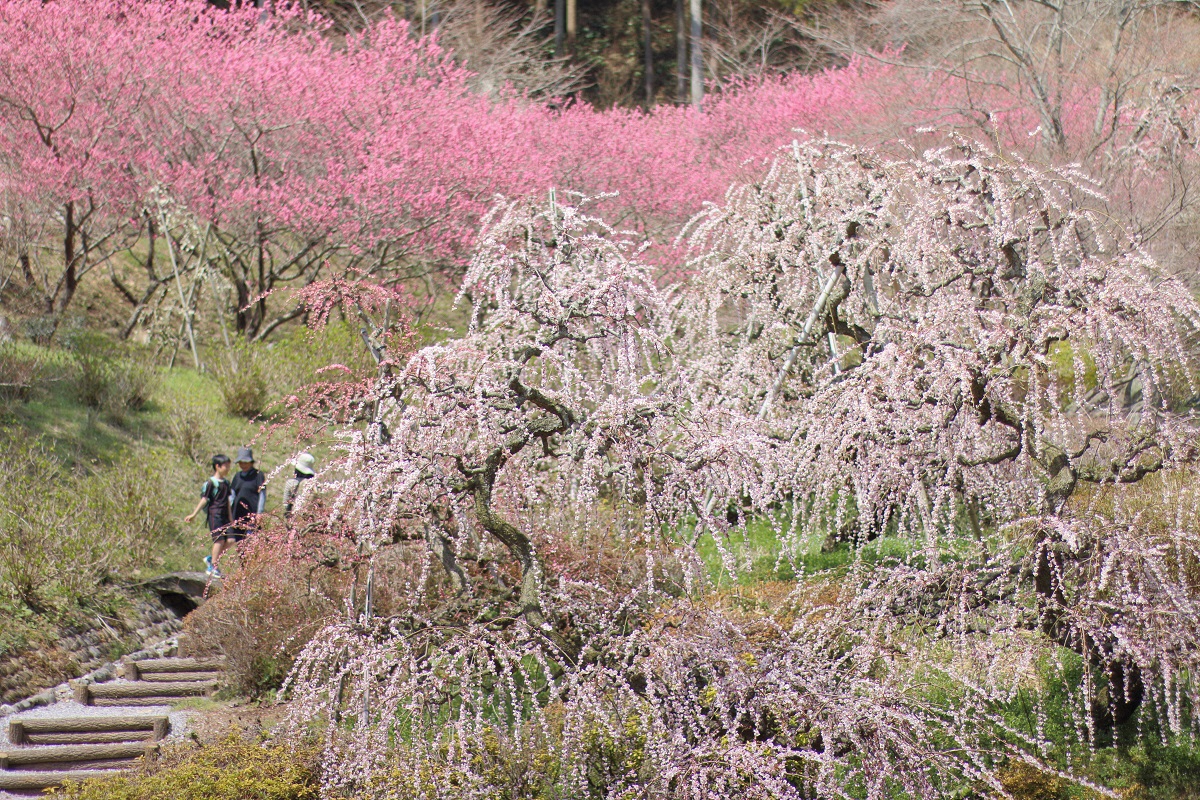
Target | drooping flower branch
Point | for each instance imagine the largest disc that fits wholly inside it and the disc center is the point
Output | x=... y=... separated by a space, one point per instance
x=952 y=331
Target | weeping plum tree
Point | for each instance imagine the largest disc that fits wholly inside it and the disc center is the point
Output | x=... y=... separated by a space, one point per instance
x=950 y=344
x=948 y=332
x=557 y=374
x=942 y=349
x=562 y=400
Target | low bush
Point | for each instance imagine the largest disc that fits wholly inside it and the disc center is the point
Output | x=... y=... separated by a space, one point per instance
x=40 y=330
x=229 y=769
x=242 y=381
x=286 y=587
x=132 y=384
x=304 y=357
x=1151 y=770
x=1024 y=782
x=20 y=372
x=107 y=378
x=186 y=424
x=289 y=584
x=93 y=355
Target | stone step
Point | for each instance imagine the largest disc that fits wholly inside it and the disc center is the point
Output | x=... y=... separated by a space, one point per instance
x=36 y=781
x=21 y=731
x=171 y=677
x=98 y=737
x=133 y=669
x=66 y=754
x=132 y=693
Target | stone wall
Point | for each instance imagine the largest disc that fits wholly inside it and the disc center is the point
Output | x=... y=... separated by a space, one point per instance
x=81 y=649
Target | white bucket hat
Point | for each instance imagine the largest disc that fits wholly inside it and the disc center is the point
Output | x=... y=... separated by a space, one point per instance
x=305 y=462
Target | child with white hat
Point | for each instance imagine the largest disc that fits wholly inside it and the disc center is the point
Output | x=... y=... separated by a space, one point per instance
x=305 y=466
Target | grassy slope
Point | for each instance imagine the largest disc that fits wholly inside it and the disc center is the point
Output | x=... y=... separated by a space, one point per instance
x=87 y=439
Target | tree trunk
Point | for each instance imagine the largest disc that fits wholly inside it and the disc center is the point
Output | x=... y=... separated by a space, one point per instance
x=27 y=270
x=648 y=52
x=532 y=572
x=444 y=550
x=152 y=282
x=697 y=55
x=572 y=21
x=242 y=316
x=1125 y=690
x=65 y=290
x=681 y=53
x=559 y=26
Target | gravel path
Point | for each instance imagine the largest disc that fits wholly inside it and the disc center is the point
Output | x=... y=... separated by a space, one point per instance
x=69 y=708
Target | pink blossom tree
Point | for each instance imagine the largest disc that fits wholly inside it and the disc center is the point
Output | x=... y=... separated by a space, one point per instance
x=303 y=161
x=71 y=87
x=950 y=344
x=260 y=156
x=940 y=349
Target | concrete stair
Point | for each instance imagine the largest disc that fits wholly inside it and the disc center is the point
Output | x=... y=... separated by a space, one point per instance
x=46 y=751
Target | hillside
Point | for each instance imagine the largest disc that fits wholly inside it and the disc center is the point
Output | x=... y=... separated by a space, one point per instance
x=815 y=423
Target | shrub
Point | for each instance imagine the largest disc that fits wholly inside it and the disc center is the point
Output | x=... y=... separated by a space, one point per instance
x=40 y=330
x=290 y=583
x=133 y=382
x=186 y=424
x=242 y=382
x=300 y=358
x=19 y=373
x=285 y=590
x=229 y=769
x=105 y=378
x=1151 y=770
x=1024 y=782
x=92 y=355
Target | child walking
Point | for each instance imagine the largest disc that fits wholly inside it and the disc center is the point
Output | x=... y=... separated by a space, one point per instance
x=216 y=494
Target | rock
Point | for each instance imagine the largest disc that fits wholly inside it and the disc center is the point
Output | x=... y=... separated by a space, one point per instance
x=180 y=592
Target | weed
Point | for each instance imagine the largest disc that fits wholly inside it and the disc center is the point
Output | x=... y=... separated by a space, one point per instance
x=109 y=379
x=20 y=372
x=63 y=533
x=185 y=428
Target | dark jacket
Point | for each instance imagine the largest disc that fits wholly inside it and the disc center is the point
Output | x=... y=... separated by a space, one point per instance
x=247 y=499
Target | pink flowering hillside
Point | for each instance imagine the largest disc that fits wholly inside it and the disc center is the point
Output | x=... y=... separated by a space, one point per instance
x=831 y=436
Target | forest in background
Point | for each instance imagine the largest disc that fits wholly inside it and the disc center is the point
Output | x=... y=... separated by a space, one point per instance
x=349 y=222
